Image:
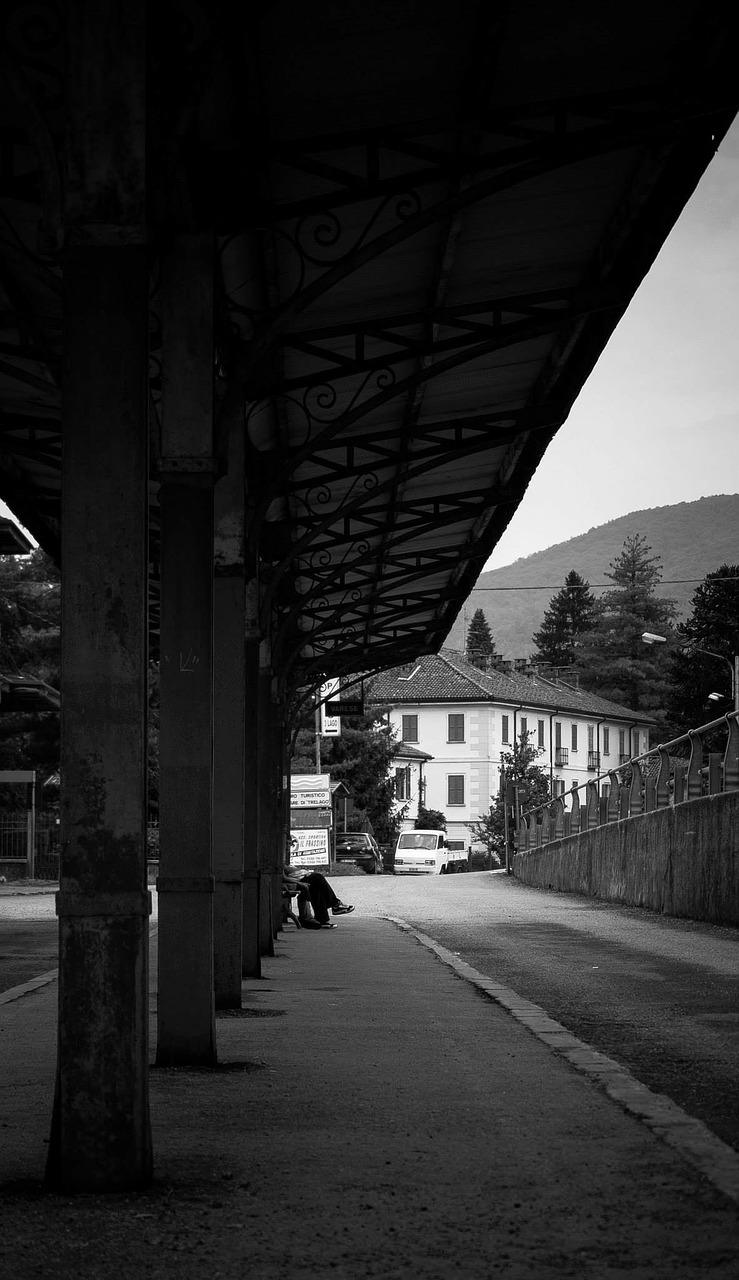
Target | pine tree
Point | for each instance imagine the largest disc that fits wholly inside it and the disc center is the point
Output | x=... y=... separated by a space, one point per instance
x=571 y=614
x=613 y=659
x=480 y=642
x=714 y=626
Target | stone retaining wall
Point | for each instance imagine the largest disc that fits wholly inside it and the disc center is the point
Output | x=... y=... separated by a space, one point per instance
x=682 y=861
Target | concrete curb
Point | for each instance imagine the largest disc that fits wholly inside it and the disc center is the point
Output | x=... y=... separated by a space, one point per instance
x=716 y=1160
x=43 y=979
x=25 y=988
x=19 y=891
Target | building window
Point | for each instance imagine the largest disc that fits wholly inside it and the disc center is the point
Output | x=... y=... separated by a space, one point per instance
x=635 y=740
x=504 y=729
x=540 y=733
x=606 y=741
x=591 y=738
x=574 y=738
x=455 y=788
x=455 y=728
x=410 y=728
x=622 y=756
x=524 y=728
x=403 y=783
x=557 y=734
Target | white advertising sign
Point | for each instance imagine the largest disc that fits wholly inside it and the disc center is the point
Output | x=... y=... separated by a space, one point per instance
x=330 y=725
x=310 y=791
x=312 y=850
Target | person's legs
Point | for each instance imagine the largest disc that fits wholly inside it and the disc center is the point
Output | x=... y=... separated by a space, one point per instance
x=303 y=896
x=320 y=896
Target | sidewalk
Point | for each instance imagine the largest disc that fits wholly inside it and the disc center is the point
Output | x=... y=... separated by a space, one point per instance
x=374 y=1114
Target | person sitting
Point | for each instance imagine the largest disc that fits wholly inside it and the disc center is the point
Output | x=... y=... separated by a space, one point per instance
x=313 y=887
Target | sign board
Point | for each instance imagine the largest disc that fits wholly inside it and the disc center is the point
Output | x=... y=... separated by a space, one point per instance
x=310 y=791
x=312 y=850
x=330 y=725
x=311 y=818
x=345 y=707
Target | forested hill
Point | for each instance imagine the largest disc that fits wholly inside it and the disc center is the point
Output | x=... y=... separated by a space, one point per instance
x=692 y=539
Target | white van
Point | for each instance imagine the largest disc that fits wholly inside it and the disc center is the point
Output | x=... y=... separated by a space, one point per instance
x=426 y=853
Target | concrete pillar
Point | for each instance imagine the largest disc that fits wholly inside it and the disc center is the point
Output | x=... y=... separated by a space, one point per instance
x=229 y=730
x=186 y=1010
x=282 y=815
x=100 y=1137
x=265 y=799
x=251 y=949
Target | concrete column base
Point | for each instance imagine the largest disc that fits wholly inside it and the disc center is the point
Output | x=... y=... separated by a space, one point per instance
x=251 y=955
x=266 y=931
x=227 y=928
x=186 y=1028
x=105 y=1143
x=276 y=878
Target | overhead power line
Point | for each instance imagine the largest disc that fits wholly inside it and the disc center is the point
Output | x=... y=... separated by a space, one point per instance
x=664 y=582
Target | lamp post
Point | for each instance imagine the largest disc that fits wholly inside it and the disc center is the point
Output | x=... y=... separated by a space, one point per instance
x=733 y=663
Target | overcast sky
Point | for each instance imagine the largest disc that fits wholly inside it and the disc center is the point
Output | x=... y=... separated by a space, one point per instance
x=658 y=420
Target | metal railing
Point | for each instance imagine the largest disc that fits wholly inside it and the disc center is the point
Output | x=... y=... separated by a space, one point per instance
x=561 y=755
x=31 y=840
x=657 y=779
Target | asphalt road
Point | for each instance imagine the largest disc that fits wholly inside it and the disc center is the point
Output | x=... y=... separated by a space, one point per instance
x=28 y=938
x=659 y=995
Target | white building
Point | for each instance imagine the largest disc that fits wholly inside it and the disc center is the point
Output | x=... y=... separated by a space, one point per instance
x=454 y=721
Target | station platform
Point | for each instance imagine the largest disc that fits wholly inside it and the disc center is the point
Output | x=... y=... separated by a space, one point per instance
x=378 y=1111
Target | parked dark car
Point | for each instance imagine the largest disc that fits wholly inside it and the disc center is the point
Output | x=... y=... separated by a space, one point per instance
x=361 y=849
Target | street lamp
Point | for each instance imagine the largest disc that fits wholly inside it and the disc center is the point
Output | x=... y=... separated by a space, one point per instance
x=733 y=664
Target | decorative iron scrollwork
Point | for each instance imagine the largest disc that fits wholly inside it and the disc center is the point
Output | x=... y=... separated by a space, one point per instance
x=322 y=239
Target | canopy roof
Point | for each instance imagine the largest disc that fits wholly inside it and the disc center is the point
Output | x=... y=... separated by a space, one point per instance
x=429 y=219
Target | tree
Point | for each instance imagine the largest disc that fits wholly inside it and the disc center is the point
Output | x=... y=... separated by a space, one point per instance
x=360 y=757
x=480 y=642
x=571 y=614
x=713 y=625
x=519 y=767
x=613 y=659
x=30 y=608
x=430 y=820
